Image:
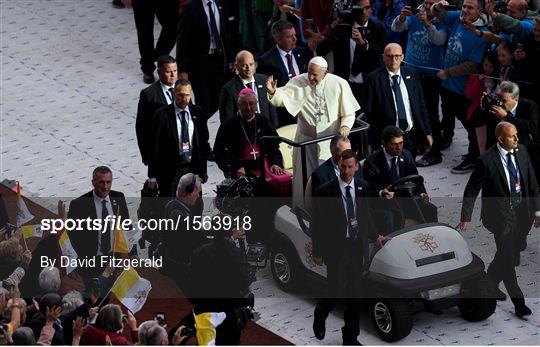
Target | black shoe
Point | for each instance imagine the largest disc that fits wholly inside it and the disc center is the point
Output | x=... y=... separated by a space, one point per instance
x=466 y=166
x=319 y=319
x=445 y=143
x=428 y=160
x=118 y=4
x=522 y=310
x=148 y=78
x=499 y=295
x=349 y=340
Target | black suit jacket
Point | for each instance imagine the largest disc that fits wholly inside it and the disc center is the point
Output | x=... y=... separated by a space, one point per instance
x=526 y=122
x=329 y=225
x=377 y=172
x=229 y=96
x=325 y=173
x=370 y=58
x=490 y=177
x=193 y=38
x=271 y=64
x=85 y=242
x=379 y=104
x=165 y=150
x=150 y=100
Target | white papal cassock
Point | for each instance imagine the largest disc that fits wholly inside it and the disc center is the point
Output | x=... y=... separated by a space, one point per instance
x=320 y=110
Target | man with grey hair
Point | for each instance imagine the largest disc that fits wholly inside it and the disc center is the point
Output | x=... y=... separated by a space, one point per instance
x=323 y=104
x=178 y=245
x=49 y=279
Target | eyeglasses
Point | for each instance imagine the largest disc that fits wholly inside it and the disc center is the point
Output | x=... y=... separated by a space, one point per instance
x=394 y=56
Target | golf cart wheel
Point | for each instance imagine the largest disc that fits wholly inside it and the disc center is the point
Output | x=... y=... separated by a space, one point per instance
x=478 y=302
x=391 y=318
x=284 y=267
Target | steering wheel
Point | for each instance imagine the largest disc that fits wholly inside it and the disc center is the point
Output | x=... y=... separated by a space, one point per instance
x=406 y=184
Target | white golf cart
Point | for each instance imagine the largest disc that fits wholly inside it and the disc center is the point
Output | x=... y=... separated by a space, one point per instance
x=428 y=264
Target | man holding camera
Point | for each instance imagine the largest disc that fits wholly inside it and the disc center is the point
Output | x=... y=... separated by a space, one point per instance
x=517 y=24
x=506 y=105
x=425 y=54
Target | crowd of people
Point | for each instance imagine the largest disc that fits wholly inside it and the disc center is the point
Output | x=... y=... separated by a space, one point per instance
x=408 y=69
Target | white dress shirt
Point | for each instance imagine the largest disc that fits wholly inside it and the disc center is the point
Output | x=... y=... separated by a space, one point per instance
x=504 y=159
x=254 y=85
x=191 y=127
x=283 y=54
x=165 y=89
x=342 y=186
x=98 y=205
x=404 y=95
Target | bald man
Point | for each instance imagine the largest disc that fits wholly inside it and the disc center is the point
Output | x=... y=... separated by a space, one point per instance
x=517 y=24
x=394 y=97
x=246 y=78
x=510 y=202
x=323 y=104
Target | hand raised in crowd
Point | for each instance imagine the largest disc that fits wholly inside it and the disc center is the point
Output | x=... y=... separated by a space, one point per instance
x=381 y=240
x=422 y=17
x=277 y=170
x=62 y=210
x=490 y=8
x=27 y=256
x=35 y=304
x=462 y=226
x=131 y=321
x=314 y=40
x=52 y=314
x=405 y=12
x=344 y=130
x=357 y=37
x=78 y=327
x=271 y=85
x=178 y=338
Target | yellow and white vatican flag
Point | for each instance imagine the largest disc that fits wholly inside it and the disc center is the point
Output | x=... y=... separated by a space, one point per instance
x=131 y=289
x=120 y=244
x=23 y=215
x=29 y=231
x=206 y=324
x=67 y=250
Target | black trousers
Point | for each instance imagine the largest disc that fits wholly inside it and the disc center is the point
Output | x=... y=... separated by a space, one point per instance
x=455 y=106
x=344 y=274
x=166 y=12
x=502 y=268
x=431 y=88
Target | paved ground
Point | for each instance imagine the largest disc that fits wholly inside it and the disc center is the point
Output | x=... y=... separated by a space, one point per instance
x=69 y=88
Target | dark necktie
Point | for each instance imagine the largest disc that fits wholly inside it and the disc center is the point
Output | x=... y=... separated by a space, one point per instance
x=515 y=197
x=402 y=115
x=250 y=85
x=171 y=95
x=350 y=212
x=394 y=175
x=290 y=66
x=106 y=236
x=214 y=29
x=185 y=127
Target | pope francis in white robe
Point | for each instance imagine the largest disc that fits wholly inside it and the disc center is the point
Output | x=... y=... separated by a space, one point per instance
x=324 y=105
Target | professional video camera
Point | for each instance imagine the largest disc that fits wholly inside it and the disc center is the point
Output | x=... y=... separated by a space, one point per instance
x=232 y=195
x=347 y=13
x=490 y=100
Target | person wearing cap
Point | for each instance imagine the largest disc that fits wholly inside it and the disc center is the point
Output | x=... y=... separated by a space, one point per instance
x=323 y=104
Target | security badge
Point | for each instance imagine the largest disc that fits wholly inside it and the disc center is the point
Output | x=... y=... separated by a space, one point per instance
x=518 y=187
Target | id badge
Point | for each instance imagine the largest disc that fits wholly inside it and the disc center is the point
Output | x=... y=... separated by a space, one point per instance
x=354 y=226
x=518 y=187
x=185 y=147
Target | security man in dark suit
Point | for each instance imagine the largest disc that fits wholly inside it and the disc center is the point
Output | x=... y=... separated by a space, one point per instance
x=204 y=52
x=96 y=204
x=393 y=96
x=284 y=61
x=157 y=95
x=510 y=203
x=180 y=142
x=342 y=242
x=387 y=165
x=166 y=12
x=246 y=78
x=521 y=112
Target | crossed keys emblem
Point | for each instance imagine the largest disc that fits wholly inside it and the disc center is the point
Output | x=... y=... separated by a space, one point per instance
x=140 y=295
x=425 y=242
